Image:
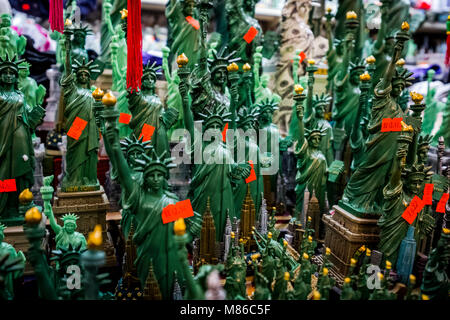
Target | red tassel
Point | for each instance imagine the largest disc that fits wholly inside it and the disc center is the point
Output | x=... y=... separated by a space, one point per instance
x=56 y=15
x=447 y=53
x=134 y=44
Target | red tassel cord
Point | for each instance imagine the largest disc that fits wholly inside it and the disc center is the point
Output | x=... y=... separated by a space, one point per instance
x=447 y=53
x=134 y=44
x=56 y=18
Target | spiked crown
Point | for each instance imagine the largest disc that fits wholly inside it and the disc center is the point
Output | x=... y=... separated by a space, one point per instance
x=220 y=60
x=69 y=217
x=247 y=115
x=11 y=62
x=267 y=104
x=403 y=75
x=317 y=130
x=424 y=142
x=82 y=29
x=2 y=227
x=131 y=144
x=85 y=66
x=68 y=256
x=416 y=170
x=157 y=162
x=323 y=99
x=358 y=65
x=217 y=114
x=151 y=70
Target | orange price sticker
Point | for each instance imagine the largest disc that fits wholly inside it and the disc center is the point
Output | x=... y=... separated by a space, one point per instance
x=441 y=204
x=302 y=56
x=391 y=125
x=147 y=132
x=252 y=176
x=77 y=128
x=8 y=185
x=413 y=209
x=250 y=35
x=194 y=23
x=125 y=118
x=181 y=209
x=428 y=194
x=224 y=133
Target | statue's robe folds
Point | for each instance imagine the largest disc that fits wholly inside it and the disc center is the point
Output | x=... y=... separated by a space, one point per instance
x=16 y=148
x=148 y=109
x=363 y=193
x=63 y=239
x=256 y=186
x=311 y=173
x=128 y=218
x=184 y=37
x=346 y=103
x=393 y=227
x=81 y=169
x=8 y=279
x=154 y=240
x=213 y=179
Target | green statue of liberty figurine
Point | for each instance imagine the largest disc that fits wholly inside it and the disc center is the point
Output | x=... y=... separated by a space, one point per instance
x=311 y=162
x=145 y=200
x=261 y=90
x=184 y=36
x=173 y=95
x=11 y=43
x=112 y=15
x=246 y=122
x=17 y=122
x=81 y=168
x=363 y=193
x=397 y=194
x=215 y=175
x=13 y=255
x=433 y=106
x=65 y=234
x=147 y=109
x=34 y=94
x=334 y=53
x=118 y=58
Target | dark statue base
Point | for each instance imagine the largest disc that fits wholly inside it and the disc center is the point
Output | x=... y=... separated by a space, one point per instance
x=91 y=208
x=345 y=234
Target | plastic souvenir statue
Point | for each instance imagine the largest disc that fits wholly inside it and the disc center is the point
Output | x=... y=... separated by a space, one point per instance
x=184 y=36
x=11 y=43
x=148 y=112
x=363 y=193
x=311 y=162
x=8 y=259
x=17 y=122
x=65 y=235
x=34 y=94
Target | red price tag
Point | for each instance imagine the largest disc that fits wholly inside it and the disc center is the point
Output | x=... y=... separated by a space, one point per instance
x=77 y=128
x=250 y=35
x=391 y=125
x=172 y=212
x=441 y=204
x=428 y=194
x=224 y=133
x=385 y=125
x=125 y=118
x=8 y=185
x=147 y=132
x=302 y=56
x=413 y=209
x=252 y=176
x=396 y=124
x=194 y=23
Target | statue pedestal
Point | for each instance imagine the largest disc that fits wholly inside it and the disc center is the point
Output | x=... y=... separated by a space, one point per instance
x=345 y=234
x=91 y=207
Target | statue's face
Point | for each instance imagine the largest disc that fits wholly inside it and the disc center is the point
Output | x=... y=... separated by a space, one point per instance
x=83 y=77
x=414 y=184
x=247 y=125
x=5 y=21
x=265 y=116
x=24 y=73
x=9 y=76
x=214 y=128
x=79 y=38
x=354 y=77
x=422 y=155
x=320 y=111
x=70 y=227
x=155 y=180
x=133 y=156
x=219 y=76
x=314 y=141
x=397 y=89
x=188 y=7
x=340 y=49
x=148 y=82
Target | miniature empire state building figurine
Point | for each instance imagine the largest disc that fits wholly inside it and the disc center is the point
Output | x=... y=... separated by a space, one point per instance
x=208 y=238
